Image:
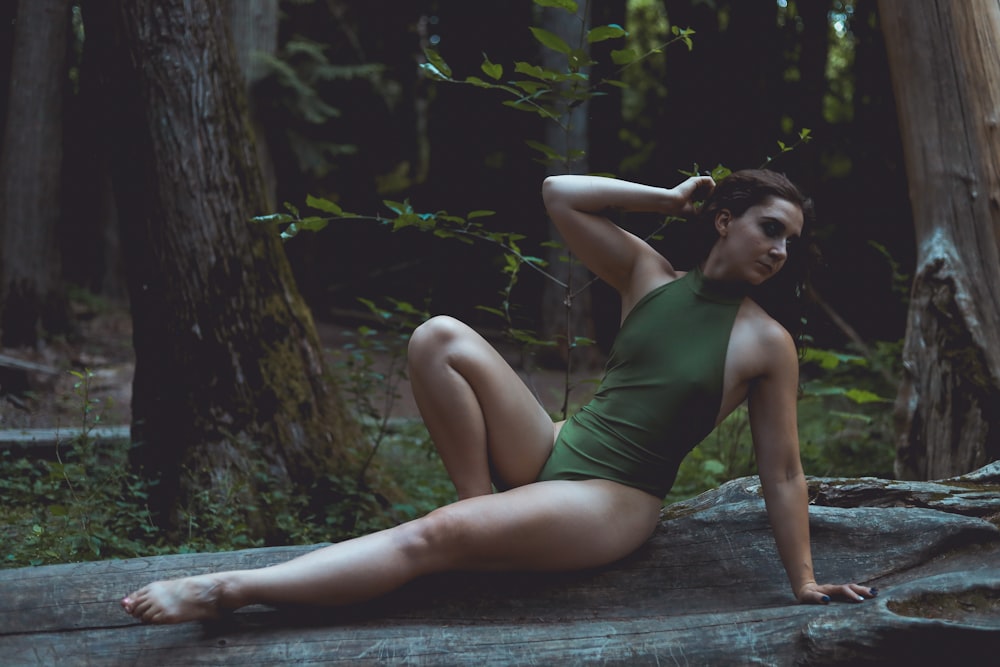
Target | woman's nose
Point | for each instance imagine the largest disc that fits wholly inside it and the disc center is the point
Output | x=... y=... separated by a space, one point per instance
x=779 y=249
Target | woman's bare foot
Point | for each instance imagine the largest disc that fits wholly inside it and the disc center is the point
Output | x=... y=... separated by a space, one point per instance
x=175 y=601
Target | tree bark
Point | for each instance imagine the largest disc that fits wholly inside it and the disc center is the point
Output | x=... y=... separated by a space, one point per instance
x=945 y=63
x=254 y=26
x=31 y=297
x=230 y=395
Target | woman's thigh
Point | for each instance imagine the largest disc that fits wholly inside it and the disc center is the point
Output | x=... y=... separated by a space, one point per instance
x=544 y=526
x=519 y=432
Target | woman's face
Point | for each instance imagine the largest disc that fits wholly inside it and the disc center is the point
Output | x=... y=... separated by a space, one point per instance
x=754 y=246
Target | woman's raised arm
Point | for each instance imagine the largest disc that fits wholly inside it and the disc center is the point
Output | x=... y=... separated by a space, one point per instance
x=576 y=205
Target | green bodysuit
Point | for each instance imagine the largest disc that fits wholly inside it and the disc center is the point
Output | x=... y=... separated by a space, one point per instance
x=661 y=392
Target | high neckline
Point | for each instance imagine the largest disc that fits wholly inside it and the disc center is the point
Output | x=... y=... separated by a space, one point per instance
x=721 y=291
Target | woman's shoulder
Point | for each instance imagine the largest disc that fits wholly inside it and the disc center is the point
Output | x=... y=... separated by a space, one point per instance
x=760 y=339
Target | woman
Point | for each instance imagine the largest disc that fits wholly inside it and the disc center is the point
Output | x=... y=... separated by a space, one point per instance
x=580 y=494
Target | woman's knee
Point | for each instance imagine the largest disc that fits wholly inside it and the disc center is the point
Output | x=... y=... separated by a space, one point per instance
x=433 y=542
x=434 y=338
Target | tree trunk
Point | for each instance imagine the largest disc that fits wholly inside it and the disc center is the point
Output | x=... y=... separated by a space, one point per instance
x=230 y=396
x=31 y=298
x=254 y=25
x=707 y=588
x=945 y=62
x=566 y=312
x=89 y=242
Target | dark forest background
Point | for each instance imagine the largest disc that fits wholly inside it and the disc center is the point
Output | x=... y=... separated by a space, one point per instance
x=342 y=110
x=348 y=115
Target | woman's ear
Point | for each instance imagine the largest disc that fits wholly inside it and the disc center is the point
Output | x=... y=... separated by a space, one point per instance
x=722 y=219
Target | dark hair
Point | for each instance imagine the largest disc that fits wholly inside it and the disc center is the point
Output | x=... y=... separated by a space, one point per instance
x=785 y=295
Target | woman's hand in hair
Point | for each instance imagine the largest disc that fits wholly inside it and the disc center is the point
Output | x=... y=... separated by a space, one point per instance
x=688 y=193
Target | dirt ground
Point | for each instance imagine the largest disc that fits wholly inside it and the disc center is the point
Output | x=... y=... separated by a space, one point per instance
x=52 y=397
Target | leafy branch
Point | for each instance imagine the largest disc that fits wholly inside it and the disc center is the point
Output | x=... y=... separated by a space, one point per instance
x=547 y=92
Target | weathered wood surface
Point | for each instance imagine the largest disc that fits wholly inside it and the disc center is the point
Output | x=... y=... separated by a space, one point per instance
x=707 y=589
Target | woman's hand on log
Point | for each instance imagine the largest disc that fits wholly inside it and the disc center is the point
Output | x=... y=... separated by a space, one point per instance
x=813 y=593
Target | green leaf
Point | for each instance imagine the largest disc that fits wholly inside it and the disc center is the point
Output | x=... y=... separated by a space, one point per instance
x=434 y=72
x=603 y=32
x=480 y=214
x=862 y=396
x=397 y=207
x=279 y=218
x=713 y=467
x=544 y=150
x=406 y=220
x=624 y=56
x=828 y=360
x=529 y=108
x=685 y=35
x=551 y=40
x=537 y=261
x=325 y=205
x=491 y=70
x=535 y=71
x=313 y=223
x=476 y=81
x=434 y=59
x=531 y=87
x=720 y=172
x=568 y=5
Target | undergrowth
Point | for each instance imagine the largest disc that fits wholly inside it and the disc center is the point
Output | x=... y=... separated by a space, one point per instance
x=79 y=501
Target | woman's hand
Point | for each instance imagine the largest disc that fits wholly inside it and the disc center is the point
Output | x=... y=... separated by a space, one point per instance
x=684 y=195
x=813 y=593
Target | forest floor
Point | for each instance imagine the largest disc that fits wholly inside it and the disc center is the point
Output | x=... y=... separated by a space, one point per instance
x=51 y=395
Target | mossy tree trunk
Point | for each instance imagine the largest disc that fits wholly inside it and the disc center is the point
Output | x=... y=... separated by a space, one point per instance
x=32 y=300
x=231 y=395
x=945 y=62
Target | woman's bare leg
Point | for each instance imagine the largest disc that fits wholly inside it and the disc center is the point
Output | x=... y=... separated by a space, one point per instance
x=556 y=525
x=479 y=413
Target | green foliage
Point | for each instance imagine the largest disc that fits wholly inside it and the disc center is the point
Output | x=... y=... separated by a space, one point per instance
x=372 y=367
x=293 y=84
x=80 y=504
x=725 y=454
x=78 y=501
x=548 y=92
x=834 y=404
x=845 y=428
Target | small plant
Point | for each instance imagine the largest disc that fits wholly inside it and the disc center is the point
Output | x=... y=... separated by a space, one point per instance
x=82 y=505
x=373 y=366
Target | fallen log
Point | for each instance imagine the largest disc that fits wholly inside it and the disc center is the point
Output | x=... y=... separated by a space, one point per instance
x=707 y=588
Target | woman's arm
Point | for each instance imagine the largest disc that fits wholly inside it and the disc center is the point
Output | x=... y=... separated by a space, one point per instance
x=576 y=204
x=773 y=422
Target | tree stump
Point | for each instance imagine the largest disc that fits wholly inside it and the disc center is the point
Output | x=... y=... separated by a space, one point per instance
x=707 y=588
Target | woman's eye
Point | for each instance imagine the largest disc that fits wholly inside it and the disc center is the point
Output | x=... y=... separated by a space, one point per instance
x=772 y=229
